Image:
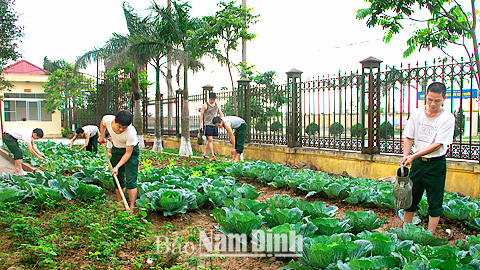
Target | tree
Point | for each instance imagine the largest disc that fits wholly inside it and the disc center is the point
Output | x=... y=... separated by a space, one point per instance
x=153 y=44
x=336 y=128
x=57 y=64
x=118 y=50
x=264 y=106
x=64 y=92
x=227 y=26
x=386 y=130
x=10 y=34
x=446 y=23
x=191 y=42
x=459 y=123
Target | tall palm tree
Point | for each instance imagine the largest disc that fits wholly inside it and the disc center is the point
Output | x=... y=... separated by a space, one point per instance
x=190 y=44
x=118 y=50
x=153 y=44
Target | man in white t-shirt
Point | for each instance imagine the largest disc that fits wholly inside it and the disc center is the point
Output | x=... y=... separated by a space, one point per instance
x=124 y=151
x=91 y=138
x=431 y=128
x=11 y=138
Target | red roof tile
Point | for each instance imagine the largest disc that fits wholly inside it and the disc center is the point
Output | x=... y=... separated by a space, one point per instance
x=25 y=68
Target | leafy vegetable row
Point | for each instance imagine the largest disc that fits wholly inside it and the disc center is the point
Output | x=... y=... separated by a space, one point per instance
x=352 y=190
x=48 y=186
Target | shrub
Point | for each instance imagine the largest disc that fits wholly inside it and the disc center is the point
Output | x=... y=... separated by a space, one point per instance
x=336 y=128
x=358 y=130
x=386 y=130
x=459 y=123
x=311 y=129
x=261 y=125
x=66 y=132
x=276 y=126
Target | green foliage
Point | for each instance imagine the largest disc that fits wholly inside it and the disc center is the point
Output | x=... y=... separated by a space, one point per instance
x=417 y=234
x=261 y=125
x=459 y=123
x=227 y=26
x=60 y=159
x=170 y=201
x=65 y=88
x=236 y=221
x=448 y=23
x=43 y=241
x=357 y=130
x=266 y=103
x=276 y=217
x=363 y=220
x=276 y=126
x=386 y=130
x=336 y=128
x=460 y=210
x=312 y=129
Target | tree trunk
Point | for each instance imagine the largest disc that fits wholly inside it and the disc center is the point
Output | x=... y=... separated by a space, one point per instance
x=170 y=95
x=157 y=141
x=137 y=113
x=185 y=145
x=234 y=96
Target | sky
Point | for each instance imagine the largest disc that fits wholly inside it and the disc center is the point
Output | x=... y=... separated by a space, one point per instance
x=319 y=38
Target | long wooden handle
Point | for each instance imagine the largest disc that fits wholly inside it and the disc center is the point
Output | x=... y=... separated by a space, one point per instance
x=116 y=180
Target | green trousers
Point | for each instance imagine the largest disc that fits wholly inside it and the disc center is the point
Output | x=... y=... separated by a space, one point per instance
x=92 y=145
x=127 y=174
x=12 y=145
x=240 y=136
x=428 y=176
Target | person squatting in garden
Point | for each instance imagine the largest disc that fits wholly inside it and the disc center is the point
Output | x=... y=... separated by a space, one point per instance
x=238 y=139
x=124 y=152
x=209 y=110
x=91 y=138
x=430 y=129
x=11 y=137
x=109 y=142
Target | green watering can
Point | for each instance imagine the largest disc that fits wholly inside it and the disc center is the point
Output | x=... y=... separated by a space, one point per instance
x=402 y=189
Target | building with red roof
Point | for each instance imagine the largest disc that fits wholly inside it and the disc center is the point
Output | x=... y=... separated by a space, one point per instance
x=23 y=105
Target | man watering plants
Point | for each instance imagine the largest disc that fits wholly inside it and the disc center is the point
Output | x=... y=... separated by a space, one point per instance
x=11 y=138
x=91 y=138
x=124 y=152
x=430 y=131
x=237 y=140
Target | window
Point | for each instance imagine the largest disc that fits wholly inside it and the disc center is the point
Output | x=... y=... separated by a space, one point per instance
x=22 y=108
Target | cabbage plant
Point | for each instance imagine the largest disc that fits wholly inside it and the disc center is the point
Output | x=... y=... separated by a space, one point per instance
x=169 y=201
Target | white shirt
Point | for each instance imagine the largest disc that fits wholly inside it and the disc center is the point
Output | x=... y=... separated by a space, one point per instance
x=124 y=139
x=21 y=133
x=425 y=130
x=92 y=129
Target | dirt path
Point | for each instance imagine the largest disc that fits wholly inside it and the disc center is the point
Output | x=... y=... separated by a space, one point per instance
x=6 y=166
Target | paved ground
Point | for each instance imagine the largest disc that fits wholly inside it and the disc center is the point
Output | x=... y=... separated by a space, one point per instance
x=7 y=167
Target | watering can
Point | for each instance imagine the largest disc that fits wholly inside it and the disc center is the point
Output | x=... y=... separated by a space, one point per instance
x=402 y=189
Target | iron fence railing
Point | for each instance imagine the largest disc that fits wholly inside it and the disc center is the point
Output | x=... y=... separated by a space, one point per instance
x=344 y=111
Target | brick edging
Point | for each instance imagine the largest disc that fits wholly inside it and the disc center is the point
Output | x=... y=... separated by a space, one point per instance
x=25 y=166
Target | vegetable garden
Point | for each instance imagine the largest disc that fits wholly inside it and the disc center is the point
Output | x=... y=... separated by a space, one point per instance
x=64 y=217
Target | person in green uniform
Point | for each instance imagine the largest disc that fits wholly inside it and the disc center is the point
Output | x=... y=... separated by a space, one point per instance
x=91 y=138
x=430 y=131
x=237 y=140
x=124 y=151
x=11 y=137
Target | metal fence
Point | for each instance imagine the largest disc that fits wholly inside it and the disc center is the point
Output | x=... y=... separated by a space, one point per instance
x=362 y=111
